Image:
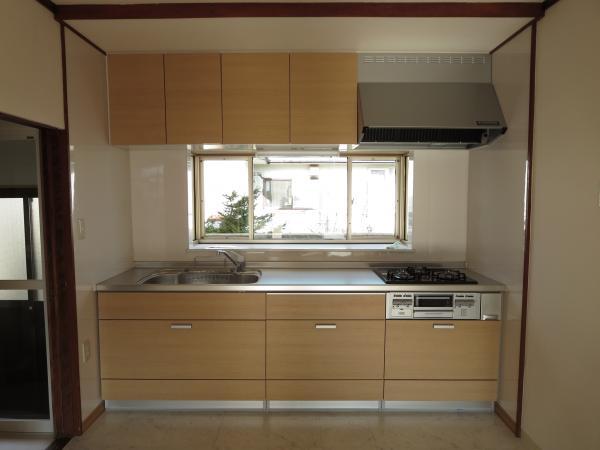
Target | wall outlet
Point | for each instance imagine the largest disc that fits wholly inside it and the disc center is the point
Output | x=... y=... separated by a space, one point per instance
x=80 y=229
x=86 y=350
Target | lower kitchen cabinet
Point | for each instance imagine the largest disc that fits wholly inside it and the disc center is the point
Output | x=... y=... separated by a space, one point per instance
x=325 y=350
x=324 y=390
x=441 y=390
x=442 y=350
x=196 y=349
x=183 y=390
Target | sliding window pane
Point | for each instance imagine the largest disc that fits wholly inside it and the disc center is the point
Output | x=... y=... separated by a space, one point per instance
x=373 y=198
x=300 y=198
x=225 y=198
x=13 y=255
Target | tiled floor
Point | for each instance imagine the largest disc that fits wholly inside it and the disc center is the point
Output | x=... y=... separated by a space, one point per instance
x=297 y=430
x=24 y=441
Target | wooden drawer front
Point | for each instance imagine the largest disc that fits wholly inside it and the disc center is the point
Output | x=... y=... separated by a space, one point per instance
x=325 y=306
x=441 y=390
x=324 y=390
x=418 y=351
x=256 y=98
x=181 y=305
x=193 y=98
x=183 y=389
x=211 y=349
x=297 y=349
x=136 y=91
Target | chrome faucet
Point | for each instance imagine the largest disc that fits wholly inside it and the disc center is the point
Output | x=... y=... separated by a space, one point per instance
x=238 y=261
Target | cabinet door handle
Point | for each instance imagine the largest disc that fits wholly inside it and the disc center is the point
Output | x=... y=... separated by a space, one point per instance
x=443 y=326
x=181 y=326
x=489 y=317
x=326 y=326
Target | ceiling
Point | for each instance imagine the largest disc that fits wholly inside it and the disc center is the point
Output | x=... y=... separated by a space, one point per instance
x=403 y=34
x=300 y=34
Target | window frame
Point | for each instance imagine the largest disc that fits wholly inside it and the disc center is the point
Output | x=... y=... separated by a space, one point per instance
x=400 y=161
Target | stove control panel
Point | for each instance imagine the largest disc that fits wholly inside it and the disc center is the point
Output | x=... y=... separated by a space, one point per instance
x=400 y=305
x=450 y=306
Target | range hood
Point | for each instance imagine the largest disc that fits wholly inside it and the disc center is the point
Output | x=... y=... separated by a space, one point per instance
x=429 y=115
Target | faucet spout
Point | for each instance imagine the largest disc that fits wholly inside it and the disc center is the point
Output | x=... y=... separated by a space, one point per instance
x=238 y=261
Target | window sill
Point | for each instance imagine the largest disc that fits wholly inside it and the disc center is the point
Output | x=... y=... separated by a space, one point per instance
x=317 y=247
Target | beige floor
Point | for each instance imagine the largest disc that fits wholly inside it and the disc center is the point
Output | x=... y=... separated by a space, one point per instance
x=25 y=441
x=285 y=431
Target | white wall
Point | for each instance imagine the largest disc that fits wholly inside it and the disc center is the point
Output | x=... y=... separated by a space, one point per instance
x=496 y=238
x=31 y=75
x=562 y=397
x=101 y=197
x=159 y=204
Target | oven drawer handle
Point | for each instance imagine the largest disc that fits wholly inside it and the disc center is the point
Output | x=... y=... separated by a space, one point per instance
x=325 y=326
x=443 y=326
x=181 y=326
x=489 y=317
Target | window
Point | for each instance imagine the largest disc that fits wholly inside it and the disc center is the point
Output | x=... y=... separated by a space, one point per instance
x=299 y=198
x=20 y=246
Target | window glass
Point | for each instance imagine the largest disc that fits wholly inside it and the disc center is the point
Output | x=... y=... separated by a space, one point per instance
x=225 y=198
x=300 y=197
x=13 y=256
x=374 y=198
x=410 y=170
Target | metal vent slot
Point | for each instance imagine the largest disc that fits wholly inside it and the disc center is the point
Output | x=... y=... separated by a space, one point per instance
x=424 y=135
x=423 y=59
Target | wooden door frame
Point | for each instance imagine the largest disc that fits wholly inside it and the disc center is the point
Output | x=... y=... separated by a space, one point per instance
x=59 y=268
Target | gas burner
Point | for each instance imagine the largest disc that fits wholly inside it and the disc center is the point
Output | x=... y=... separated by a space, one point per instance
x=423 y=275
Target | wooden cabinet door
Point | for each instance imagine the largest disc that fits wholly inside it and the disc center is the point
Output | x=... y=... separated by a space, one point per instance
x=193 y=98
x=256 y=98
x=323 y=98
x=343 y=349
x=442 y=350
x=136 y=91
x=162 y=349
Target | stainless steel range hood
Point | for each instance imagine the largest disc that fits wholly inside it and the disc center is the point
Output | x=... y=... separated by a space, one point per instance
x=429 y=115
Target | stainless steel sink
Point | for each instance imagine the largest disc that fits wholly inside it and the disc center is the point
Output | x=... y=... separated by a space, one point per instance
x=201 y=277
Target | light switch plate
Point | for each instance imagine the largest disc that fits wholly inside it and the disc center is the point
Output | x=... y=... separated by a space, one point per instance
x=87 y=350
x=80 y=229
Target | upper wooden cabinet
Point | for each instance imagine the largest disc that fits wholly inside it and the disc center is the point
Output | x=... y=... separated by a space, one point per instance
x=136 y=99
x=323 y=98
x=193 y=98
x=256 y=98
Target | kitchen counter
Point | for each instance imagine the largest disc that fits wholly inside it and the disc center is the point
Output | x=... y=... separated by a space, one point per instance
x=293 y=280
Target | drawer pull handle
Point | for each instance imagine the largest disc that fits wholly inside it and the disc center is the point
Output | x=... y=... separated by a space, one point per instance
x=443 y=326
x=181 y=326
x=326 y=326
x=490 y=317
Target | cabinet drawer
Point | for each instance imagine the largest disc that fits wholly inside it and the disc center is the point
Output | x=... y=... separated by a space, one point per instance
x=183 y=389
x=458 y=350
x=335 y=350
x=441 y=390
x=325 y=306
x=160 y=349
x=324 y=390
x=181 y=305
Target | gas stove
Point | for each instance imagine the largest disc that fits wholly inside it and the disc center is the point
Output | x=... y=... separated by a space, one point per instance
x=423 y=275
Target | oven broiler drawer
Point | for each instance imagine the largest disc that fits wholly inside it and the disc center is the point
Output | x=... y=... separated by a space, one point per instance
x=441 y=305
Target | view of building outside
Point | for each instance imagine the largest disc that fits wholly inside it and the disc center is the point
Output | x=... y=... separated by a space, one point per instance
x=374 y=198
x=306 y=197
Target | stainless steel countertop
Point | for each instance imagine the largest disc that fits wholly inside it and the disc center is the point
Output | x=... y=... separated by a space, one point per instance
x=294 y=280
